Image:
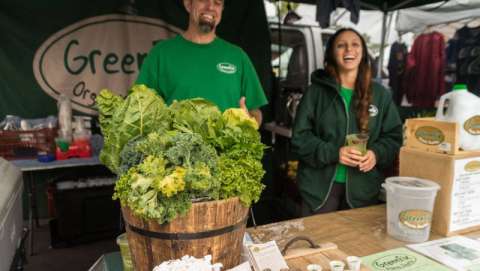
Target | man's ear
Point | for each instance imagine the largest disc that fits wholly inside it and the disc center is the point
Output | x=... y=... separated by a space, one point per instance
x=188 y=5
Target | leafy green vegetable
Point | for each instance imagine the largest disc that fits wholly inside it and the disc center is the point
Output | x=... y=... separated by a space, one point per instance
x=238 y=117
x=241 y=177
x=167 y=156
x=140 y=113
x=107 y=101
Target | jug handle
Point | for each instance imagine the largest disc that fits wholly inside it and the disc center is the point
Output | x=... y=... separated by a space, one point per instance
x=441 y=103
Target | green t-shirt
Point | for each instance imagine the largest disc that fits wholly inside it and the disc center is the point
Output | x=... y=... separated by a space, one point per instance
x=341 y=172
x=219 y=71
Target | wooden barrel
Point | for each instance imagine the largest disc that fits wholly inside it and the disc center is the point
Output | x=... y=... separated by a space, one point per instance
x=211 y=227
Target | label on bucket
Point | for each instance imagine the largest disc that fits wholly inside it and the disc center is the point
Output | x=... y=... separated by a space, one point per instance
x=415 y=219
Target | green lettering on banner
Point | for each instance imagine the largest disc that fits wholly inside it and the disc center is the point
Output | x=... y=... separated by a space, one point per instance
x=140 y=58
x=80 y=90
x=110 y=60
x=92 y=59
x=127 y=60
x=77 y=58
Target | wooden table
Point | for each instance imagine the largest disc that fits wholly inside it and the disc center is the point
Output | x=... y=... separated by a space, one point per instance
x=358 y=232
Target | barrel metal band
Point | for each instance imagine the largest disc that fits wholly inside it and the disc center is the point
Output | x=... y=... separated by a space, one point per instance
x=187 y=236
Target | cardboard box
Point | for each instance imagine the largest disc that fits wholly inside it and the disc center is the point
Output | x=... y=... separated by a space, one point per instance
x=457 y=203
x=432 y=135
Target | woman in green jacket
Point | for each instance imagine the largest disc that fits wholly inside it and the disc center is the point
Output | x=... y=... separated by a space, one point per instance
x=343 y=100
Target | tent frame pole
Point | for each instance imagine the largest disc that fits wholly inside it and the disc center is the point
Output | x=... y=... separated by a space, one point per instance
x=382 y=44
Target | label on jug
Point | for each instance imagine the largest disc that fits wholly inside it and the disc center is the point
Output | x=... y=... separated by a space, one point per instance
x=415 y=218
x=472 y=125
x=429 y=135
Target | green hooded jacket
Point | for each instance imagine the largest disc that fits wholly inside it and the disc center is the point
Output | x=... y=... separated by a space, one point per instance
x=321 y=125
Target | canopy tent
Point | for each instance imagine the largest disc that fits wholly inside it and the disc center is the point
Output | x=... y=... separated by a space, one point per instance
x=385 y=6
x=418 y=19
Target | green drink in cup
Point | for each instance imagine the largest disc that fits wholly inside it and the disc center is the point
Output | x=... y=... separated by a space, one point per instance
x=358 y=141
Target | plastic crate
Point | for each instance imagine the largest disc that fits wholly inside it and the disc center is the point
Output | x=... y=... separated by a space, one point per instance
x=27 y=144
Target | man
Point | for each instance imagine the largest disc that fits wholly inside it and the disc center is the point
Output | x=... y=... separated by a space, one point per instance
x=197 y=63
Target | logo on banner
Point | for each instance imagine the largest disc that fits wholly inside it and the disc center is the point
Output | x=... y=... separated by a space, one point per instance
x=95 y=53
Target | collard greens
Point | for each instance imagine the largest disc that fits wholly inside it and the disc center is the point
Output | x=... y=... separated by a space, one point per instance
x=166 y=156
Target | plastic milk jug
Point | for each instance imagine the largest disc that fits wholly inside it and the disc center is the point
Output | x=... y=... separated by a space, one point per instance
x=462 y=107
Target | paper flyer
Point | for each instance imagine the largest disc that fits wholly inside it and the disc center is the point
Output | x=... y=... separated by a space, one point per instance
x=458 y=252
x=465 y=190
x=266 y=256
x=401 y=259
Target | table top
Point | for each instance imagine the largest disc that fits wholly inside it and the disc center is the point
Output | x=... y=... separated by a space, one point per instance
x=27 y=165
x=358 y=232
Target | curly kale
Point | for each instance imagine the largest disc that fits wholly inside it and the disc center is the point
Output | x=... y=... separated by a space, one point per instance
x=188 y=148
x=130 y=156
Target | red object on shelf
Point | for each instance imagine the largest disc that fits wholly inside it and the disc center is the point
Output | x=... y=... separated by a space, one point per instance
x=79 y=148
x=26 y=144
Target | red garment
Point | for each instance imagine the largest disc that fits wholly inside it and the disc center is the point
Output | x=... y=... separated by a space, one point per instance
x=424 y=72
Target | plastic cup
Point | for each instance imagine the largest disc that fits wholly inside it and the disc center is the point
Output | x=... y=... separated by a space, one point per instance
x=337 y=266
x=354 y=263
x=314 y=267
x=358 y=141
x=122 y=242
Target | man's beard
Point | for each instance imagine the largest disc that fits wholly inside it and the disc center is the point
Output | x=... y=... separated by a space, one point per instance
x=206 y=27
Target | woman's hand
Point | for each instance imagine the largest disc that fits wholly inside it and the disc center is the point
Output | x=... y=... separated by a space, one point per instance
x=349 y=156
x=367 y=162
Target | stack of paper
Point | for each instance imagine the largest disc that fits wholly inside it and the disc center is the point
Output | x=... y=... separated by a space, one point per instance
x=458 y=252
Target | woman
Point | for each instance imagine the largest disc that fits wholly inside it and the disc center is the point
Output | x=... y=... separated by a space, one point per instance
x=344 y=100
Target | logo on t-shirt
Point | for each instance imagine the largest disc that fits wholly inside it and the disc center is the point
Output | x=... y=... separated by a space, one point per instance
x=225 y=67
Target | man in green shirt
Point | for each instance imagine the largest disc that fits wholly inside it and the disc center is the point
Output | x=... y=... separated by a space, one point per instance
x=197 y=63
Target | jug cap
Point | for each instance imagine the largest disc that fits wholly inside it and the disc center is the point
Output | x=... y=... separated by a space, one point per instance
x=457 y=87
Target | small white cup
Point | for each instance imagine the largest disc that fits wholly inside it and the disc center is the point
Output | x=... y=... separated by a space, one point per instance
x=337 y=265
x=354 y=263
x=314 y=267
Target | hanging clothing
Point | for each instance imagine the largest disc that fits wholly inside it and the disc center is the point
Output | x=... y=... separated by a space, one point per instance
x=325 y=7
x=468 y=58
x=396 y=70
x=424 y=79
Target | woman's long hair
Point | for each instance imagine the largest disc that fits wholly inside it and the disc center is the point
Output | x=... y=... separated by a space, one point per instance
x=363 y=83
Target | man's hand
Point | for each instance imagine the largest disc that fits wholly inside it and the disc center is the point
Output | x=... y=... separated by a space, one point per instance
x=349 y=156
x=368 y=161
x=256 y=113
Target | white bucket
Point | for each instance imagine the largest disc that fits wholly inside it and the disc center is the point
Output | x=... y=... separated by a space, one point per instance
x=409 y=207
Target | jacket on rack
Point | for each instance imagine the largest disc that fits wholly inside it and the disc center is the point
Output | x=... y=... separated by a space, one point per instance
x=424 y=79
x=467 y=57
x=325 y=7
x=396 y=70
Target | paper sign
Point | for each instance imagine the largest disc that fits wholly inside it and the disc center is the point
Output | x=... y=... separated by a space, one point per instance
x=401 y=259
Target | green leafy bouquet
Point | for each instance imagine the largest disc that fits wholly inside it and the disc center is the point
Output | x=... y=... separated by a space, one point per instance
x=167 y=156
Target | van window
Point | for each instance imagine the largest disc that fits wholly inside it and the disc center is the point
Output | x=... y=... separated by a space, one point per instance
x=289 y=56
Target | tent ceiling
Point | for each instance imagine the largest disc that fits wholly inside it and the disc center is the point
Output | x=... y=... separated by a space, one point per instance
x=387 y=5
